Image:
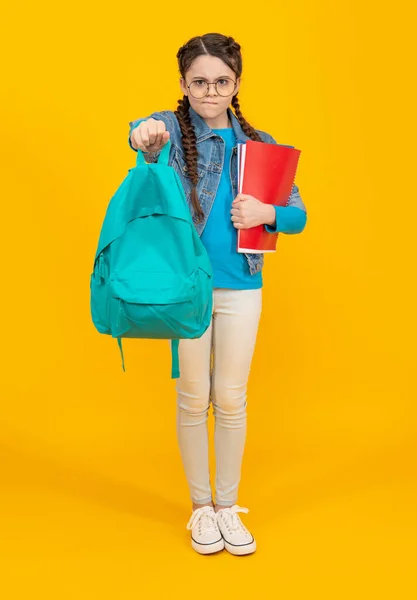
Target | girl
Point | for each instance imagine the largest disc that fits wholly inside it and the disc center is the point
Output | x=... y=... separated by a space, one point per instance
x=204 y=132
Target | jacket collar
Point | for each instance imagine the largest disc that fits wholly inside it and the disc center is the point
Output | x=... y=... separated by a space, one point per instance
x=203 y=131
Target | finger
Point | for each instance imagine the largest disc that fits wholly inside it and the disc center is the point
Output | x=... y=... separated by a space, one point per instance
x=152 y=129
x=143 y=137
x=238 y=226
x=134 y=139
x=139 y=141
x=236 y=220
x=239 y=212
x=160 y=128
x=156 y=132
x=241 y=202
x=237 y=199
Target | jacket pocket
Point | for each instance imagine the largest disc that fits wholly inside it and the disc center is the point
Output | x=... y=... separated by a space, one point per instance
x=180 y=165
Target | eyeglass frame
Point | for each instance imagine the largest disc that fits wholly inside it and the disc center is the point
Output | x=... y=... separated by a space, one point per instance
x=209 y=83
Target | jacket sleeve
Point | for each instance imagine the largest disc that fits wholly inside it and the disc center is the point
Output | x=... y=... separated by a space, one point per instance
x=291 y=218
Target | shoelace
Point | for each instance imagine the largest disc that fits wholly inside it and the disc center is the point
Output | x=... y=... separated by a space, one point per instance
x=233 y=520
x=203 y=517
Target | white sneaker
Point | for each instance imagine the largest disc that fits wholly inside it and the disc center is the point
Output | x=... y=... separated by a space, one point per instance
x=205 y=534
x=237 y=539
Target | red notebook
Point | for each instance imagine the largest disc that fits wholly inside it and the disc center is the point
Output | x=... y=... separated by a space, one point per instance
x=267 y=172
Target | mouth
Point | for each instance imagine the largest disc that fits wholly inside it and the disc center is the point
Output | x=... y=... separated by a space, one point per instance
x=211 y=103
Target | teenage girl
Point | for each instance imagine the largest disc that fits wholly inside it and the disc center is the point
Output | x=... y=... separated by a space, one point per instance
x=204 y=132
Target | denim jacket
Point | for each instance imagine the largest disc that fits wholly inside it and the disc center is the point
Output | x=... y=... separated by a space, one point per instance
x=211 y=151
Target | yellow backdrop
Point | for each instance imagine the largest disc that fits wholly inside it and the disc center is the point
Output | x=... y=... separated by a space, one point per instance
x=92 y=492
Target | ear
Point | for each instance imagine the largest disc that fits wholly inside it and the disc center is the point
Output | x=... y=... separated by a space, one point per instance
x=184 y=89
x=237 y=86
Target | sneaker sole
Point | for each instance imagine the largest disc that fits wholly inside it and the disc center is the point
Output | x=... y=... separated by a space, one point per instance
x=208 y=548
x=240 y=550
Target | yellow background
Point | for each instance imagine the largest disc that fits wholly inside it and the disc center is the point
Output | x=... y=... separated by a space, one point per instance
x=93 y=498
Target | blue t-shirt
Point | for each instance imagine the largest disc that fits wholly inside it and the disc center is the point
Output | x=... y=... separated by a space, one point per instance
x=230 y=269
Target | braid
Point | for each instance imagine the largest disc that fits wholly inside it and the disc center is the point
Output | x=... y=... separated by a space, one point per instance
x=248 y=129
x=189 y=143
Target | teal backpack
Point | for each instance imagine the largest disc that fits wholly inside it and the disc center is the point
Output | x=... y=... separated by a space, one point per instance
x=152 y=277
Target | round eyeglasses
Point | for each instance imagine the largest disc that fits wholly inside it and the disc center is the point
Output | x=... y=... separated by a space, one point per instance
x=199 y=88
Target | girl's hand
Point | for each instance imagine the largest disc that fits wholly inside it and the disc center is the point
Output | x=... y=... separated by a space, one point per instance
x=150 y=136
x=249 y=212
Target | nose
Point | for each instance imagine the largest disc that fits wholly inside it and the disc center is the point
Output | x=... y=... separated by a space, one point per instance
x=214 y=89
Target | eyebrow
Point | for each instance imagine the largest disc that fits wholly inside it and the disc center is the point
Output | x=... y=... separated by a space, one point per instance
x=219 y=77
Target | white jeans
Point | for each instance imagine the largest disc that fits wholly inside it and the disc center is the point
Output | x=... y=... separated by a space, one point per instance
x=216 y=367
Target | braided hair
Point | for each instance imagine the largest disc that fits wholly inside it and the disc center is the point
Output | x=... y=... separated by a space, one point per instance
x=228 y=50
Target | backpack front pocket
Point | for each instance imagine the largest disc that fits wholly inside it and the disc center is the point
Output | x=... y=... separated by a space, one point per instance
x=158 y=305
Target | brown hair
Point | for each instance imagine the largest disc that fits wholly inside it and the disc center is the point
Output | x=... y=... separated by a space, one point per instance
x=225 y=48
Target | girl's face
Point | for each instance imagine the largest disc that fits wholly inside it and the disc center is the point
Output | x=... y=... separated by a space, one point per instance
x=210 y=69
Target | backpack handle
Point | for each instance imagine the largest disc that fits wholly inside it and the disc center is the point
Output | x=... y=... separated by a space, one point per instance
x=162 y=159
